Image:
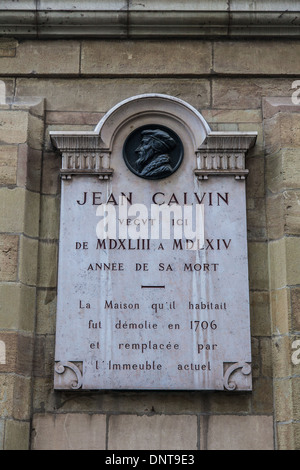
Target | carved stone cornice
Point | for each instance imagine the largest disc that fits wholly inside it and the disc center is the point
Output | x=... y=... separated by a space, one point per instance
x=223 y=153
x=83 y=153
x=123 y=19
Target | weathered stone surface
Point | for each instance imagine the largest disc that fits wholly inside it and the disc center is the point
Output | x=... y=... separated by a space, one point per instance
x=265 y=58
x=6 y=395
x=99 y=95
x=20 y=211
x=17 y=307
x=281 y=352
x=237 y=432
x=28 y=260
x=8 y=257
x=258 y=265
x=50 y=209
x=43 y=362
x=280 y=310
x=295 y=305
x=262 y=397
x=260 y=318
x=239 y=93
x=19 y=349
x=2 y=424
x=16 y=435
x=46 y=311
x=292 y=258
x=42 y=57
x=73 y=431
x=22 y=393
x=50 y=175
x=14 y=126
x=145 y=57
x=152 y=432
x=29 y=167
x=283 y=395
x=47 y=269
x=76 y=117
x=277 y=264
x=8 y=164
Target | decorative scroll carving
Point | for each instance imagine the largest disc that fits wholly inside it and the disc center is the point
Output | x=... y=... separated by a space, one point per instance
x=60 y=368
x=245 y=370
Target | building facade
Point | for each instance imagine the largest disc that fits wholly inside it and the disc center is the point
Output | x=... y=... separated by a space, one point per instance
x=63 y=66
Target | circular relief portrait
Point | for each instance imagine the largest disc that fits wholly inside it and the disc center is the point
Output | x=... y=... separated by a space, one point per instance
x=153 y=152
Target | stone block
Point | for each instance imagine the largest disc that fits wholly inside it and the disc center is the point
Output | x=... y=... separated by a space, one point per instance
x=256 y=216
x=285 y=436
x=130 y=432
x=224 y=403
x=258 y=265
x=259 y=311
x=99 y=95
x=50 y=209
x=9 y=257
x=290 y=130
x=19 y=350
x=295 y=305
x=292 y=260
x=296 y=397
x=8 y=47
x=281 y=353
x=277 y=264
x=47 y=272
x=8 y=164
x=241 y=93
x=145 y=57
x=291 y=167
x=17 y=306
x=43 y=361
x=283 y=399
x=28 y=261
x=22 y=398
x=232 y=115
x=12 y=209
x=35 y=138
x=6 y=395
x=13 y=127
x=29 y=168
x=266 y=357
x=229 y=432
x=274 y=172
x=76 y=118
x=2 y=424
x=291 y=202
x=233 y=57
x=50 y=174
x=255 y=179
x=275 y=216
x=71 y=431
x=43 y=57
x=262 y=395
x=9 y=85
x=16 y=435
x=280 y=311
x=46 y=311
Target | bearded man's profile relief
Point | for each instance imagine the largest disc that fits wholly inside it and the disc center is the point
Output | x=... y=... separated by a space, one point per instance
x=153 y=158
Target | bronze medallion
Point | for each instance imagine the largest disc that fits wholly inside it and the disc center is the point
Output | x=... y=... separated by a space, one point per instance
x=153 y=152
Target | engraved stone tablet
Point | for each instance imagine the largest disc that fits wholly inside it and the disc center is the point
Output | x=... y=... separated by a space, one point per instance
x=153 y=275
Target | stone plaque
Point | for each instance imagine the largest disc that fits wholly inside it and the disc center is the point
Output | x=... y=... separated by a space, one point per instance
x=153 y=275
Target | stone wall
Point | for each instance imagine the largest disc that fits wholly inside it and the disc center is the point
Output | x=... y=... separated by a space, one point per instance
x=69 y=85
